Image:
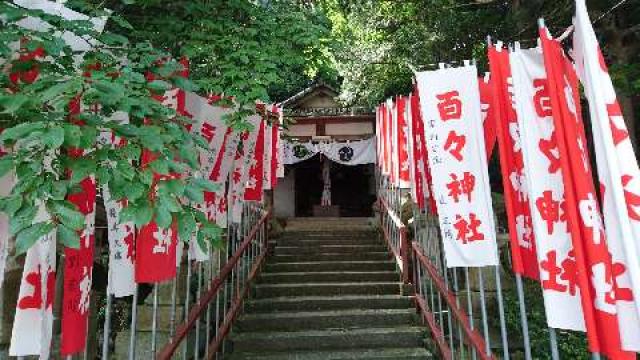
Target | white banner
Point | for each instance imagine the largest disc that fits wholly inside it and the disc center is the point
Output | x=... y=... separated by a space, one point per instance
x=450 y=106
x=241 y=167
x=618 y=173
x=546 y=190
x=33 y=323
x=347 y=153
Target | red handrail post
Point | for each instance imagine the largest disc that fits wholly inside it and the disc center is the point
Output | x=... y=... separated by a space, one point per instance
x=405 y=251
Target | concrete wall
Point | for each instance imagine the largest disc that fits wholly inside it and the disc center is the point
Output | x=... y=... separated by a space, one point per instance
x=348 y=128
x=284 y=196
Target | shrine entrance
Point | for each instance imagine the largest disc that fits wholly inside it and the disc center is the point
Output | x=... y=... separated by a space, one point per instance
x=352 y=190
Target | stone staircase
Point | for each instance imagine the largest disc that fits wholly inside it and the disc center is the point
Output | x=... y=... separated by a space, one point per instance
x=329 y=292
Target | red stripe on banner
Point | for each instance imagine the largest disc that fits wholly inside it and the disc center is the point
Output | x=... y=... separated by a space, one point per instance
x=523 y=249
x=404 y=176
x=156 y=248
x=593 y=260
x=418 y=155
x=488 y=113
x=253 y=192
x=427 y=171
x=275 y=141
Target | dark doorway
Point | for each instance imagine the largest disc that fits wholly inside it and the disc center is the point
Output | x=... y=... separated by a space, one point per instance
x=308 y=185
x=351 y=188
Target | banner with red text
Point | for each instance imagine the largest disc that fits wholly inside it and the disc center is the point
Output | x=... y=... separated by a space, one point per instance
x=33 y=322
x=450 y=106
x=78 y=273
x=255 y=181
x=593 y=260
x=242 y=164
x=516 y=197
x=402 y=149
x=556 y=257
x=121 y=236
x=618 y=173
x=6 y=185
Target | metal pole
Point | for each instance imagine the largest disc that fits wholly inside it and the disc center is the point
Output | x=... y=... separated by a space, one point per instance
x=196 y=347
x=174 y=301
x=553 y=341
x=503 y=324
x=523 y=318
x=106 y=330
x=483 y=309
x=154 y=320
x=134 y=319
x=469 y=308
x=187 y=303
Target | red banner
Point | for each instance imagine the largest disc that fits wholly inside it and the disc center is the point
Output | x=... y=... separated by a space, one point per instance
x=78 y=268
x=253 y=192
x=516 y=197
x=593 y=261
x=488 y=113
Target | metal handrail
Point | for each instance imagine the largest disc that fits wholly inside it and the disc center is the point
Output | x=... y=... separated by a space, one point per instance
x=403 y=254
x=216 y=285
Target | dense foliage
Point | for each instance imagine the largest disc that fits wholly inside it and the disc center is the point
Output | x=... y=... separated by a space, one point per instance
x=378 y=42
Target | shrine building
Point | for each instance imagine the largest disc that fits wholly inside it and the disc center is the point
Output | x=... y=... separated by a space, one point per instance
x=329 y=155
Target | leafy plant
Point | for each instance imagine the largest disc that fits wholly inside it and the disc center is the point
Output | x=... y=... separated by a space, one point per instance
x=57 y=100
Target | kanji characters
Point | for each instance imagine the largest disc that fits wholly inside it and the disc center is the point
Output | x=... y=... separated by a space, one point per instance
x=549 y=209
x=570 y=272
x=624 y=294
x=619 y=133
x=468 y=231
x=524 y=231
x=163 y=238
x=541 y=99
x=449 y=105
x=590 y=216
x=455 y=144
x=604 y=297
x=550 y=150
x=462 y=186
x=34 y=301
x=208 y=131
x=550 y=265
x=632 y=199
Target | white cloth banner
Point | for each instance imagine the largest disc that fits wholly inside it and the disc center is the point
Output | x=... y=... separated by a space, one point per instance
x=121 y=236
x=268 y=138
x=346 y=153
x=279 y=147
x=545 y=188
x=215 y=162
x=450 y=105
x=619 y=176
x=241 y=168
x=33 y=323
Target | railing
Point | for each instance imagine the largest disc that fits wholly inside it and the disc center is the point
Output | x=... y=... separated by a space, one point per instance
x=230 y=288
x=190 y=316
x=468 y=313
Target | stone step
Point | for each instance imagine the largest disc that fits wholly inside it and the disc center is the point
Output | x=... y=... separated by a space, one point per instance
x=360 y=354
x=317 y=266
x=319 y=320
x=375 y=338
x=326 y=289
x=309 y=242
x=328 y=276
x=321 y=303
x=342 y=248
x=330 y=257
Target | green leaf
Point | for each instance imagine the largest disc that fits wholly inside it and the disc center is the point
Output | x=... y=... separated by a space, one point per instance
x=20 y=130
x=134 y=191
x=144 y=214
x=59 y=189
x=68 y=236
x=22 y=219
x=10 y=204
x=175 y=186
x=67 y=214
x=6 y=165
x=194 y=193
x=12 y=103
x=160 y=166
x=54 y=137
x=159 y=86
x=186 y=226
x=27 y=237
x=127 y=214
x=205 y=184
x=163 y=217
